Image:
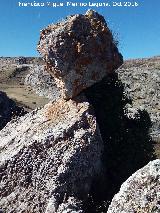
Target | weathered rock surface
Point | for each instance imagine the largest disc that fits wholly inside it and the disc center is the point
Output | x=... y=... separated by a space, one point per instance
x=42 y=83
x=79 y=51
x=49 y=157
x=140 y=193
x=141 y=78
x=8 y=109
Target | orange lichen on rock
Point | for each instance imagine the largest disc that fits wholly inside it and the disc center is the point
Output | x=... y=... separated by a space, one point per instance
x=57 y=110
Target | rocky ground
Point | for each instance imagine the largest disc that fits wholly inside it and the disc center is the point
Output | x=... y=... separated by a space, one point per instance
x=141 y=78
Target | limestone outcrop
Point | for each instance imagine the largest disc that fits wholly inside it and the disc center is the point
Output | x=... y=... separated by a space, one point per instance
x=42 y=82
x=78 y=52
x=141 y=79
x=49 y=157
x=140 y=193
x=5 y=61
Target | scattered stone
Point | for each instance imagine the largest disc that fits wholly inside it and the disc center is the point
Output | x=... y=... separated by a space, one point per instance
x=79 y=52
x=140 y=193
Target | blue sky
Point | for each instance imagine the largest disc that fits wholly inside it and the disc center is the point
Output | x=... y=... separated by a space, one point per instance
x=137 y=28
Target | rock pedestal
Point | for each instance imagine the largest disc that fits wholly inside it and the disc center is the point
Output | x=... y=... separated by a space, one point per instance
x=49 y=157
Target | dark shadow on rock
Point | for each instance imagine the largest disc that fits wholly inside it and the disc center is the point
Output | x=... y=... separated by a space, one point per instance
x=127 y=144
x=8 y=110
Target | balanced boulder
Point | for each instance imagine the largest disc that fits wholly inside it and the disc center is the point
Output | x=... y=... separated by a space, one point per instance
x=78 y=52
